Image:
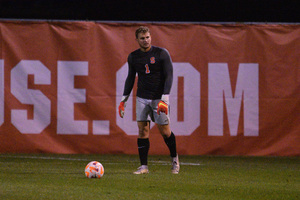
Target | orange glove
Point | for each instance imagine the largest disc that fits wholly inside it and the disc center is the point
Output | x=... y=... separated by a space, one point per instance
x=122 y=105
x=162 y=107
x=122 y=109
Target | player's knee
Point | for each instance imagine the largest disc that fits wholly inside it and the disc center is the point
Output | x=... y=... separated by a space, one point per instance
x=143 y=133
x=165 y=135
x=164 y=130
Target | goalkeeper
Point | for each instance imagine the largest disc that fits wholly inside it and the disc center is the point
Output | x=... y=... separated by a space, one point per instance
x=155 y=75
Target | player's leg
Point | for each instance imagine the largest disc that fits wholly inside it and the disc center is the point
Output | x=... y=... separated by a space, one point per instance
x=143 y=143
x=162 y=121
x=170 y=140
x=143 y=147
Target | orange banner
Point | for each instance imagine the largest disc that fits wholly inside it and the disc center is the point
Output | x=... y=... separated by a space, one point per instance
x=235 y=88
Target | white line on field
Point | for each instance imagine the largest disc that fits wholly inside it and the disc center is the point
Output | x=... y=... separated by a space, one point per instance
x=84 y=159
x=181 y=163
x=42 y=157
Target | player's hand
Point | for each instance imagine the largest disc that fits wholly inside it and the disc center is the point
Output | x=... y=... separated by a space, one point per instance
x=162 y=107
x=122 y=105
x=122 y=109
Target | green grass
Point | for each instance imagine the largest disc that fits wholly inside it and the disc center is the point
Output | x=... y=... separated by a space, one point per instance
x=44 y=176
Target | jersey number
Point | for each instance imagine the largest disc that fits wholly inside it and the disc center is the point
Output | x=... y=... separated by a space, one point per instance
x=147 y=69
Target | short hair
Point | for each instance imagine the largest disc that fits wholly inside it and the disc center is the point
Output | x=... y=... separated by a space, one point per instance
x=141 y=29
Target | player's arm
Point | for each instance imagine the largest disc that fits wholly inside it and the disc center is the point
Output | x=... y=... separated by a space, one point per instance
x=127 y=87
x=168 y=74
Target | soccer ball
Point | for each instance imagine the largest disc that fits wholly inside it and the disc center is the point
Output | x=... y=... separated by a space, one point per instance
x=94 y=170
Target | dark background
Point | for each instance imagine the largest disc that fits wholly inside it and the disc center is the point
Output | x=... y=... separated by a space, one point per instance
x=266 y=11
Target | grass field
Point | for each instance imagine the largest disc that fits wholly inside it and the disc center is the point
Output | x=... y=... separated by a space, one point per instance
x=48 y=176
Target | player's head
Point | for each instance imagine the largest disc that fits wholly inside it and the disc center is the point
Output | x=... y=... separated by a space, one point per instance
x=143 y=38
x=141 y=29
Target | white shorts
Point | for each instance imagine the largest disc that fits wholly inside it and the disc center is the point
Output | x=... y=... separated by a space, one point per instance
x=146 y=110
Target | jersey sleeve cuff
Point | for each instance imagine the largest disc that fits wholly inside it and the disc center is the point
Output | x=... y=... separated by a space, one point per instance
x=125 y=98
x=165 y=98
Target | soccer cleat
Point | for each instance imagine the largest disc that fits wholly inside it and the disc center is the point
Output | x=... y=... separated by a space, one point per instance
x=142 y=170
x=175 y=165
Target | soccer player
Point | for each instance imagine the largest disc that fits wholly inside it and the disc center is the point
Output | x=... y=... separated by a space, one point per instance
x=155 y=76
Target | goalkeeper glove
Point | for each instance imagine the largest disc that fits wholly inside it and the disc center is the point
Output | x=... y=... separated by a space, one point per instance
x=163 y=104
x=122 y=106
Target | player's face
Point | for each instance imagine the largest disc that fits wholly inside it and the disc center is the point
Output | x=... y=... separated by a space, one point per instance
x=144 y=40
